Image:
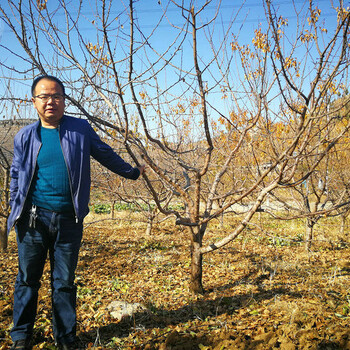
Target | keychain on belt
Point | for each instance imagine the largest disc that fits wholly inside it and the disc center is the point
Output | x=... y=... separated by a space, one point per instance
x=32 y=216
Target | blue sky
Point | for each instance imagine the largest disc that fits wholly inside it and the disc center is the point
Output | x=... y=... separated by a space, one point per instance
x=247 y=17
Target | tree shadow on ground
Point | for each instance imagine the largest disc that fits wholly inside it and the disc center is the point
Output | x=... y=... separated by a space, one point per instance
x=200 y=309
x=165 y=320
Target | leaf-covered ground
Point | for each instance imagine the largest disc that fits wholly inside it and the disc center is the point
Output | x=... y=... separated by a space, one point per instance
x=263 y=291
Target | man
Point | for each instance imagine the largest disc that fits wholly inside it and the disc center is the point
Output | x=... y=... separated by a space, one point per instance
x=49 y=191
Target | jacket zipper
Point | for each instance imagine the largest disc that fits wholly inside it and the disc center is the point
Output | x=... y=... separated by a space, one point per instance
x=69 y=178
x=30 y=184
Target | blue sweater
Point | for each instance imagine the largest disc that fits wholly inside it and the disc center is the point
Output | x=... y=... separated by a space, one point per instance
x=50 y=187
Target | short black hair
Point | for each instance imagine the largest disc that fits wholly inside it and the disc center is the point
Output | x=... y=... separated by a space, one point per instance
x=48 y=77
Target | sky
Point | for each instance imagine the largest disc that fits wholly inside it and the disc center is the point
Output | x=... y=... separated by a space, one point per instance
x=247 y=16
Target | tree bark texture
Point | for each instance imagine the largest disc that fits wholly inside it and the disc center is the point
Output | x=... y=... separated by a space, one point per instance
x=3 y=234
x=196 y=285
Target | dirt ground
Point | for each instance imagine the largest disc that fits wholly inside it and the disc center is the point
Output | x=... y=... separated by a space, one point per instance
x=263 y=291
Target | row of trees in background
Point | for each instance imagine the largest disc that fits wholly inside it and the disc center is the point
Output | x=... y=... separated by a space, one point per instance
x=224 y=125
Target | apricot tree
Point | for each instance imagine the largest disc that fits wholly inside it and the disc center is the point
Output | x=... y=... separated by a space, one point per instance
x=221 y=121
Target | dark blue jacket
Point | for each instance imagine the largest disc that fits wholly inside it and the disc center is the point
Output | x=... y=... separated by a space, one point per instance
x=79 y=141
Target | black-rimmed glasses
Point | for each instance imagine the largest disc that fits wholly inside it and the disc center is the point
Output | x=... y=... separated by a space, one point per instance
x=55 y=97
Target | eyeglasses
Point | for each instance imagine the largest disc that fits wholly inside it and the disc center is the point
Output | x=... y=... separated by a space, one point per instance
x=54 y=97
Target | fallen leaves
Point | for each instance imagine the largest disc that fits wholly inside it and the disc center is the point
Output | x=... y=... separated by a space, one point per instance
x=258 y=297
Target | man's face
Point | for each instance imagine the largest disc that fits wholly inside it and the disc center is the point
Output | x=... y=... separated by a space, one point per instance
x=49 y=102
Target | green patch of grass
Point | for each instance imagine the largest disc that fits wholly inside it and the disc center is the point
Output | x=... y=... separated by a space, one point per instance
x=106 y=208
x=119 y=285
x=101 y=208
x=154 y=245
x=83 y=291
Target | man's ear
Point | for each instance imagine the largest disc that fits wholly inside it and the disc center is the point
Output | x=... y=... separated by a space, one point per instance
x=33 y=101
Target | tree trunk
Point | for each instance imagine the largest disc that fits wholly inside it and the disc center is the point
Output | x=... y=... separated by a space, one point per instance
x=310 y=223
x=3 y=234
x=342 y=224
x=196 y=285
x=149 y=227
x=113 y=209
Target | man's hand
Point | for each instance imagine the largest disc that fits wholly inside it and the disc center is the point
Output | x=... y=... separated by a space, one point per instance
x=142 y=169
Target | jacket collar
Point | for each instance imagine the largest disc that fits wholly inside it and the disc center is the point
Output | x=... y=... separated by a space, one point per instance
x=37 y=126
